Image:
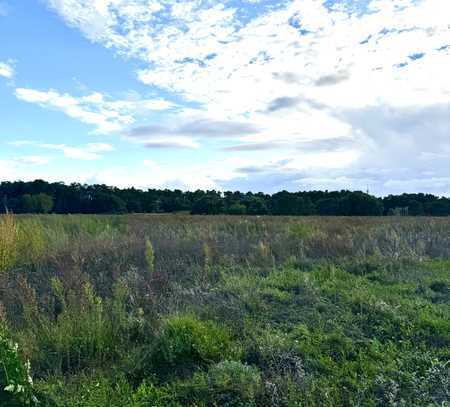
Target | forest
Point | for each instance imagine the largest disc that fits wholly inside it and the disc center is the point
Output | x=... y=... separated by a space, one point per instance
x=42 y=197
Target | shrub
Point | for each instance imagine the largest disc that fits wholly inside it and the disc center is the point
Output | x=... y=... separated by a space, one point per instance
x=96 y=390
x=86 y=332
x=187 y=343
x=148 y=395
x=228 y=384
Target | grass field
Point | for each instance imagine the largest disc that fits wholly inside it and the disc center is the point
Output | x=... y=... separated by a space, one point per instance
x=174 y=310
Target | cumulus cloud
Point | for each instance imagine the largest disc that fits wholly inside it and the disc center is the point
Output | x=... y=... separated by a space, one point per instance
x=205 y=128
x=283 y=102
x=361 y=86
x=332 y=79
x=33 y=160
x=6 y=69
x=96 y=109
x=89 y=152
x=254 y=147
x=172 y=143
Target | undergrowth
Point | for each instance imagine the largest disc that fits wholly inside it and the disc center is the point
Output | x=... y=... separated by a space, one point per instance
x=224 y=311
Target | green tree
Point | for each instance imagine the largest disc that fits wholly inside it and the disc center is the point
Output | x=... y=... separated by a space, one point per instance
x=39 y=203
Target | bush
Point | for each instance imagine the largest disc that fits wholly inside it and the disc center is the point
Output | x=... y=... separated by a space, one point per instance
x=228 y=384
x=87 y=331
x=187 y=343
x=148 y=395
x=90 y=391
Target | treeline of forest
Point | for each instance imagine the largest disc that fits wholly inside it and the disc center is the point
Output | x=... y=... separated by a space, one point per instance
x=43 y=197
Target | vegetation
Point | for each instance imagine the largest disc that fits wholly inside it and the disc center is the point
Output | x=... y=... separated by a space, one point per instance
x=42 y=197
x=179 y=310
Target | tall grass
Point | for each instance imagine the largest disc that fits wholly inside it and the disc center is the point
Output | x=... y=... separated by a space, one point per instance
x=191 y=311
x=9 y=242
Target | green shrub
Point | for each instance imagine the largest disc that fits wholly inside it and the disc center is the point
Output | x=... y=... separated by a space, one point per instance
x=227 y=384
x=87 y=331
x=187 y=343
x=301 y=230
x=96 y=390
x=149 y=395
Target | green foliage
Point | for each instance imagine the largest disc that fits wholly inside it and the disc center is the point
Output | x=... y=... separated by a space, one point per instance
x=186 y=343
x=8 y=242
x=227 y=384
x=149 y=256
x=16 y=386
x=237 y=209
x=86 y=332
x=149 y=394
x=39 y=203
x=301 y=230
x=32 y=243
x=270 y=312
x=90 y=391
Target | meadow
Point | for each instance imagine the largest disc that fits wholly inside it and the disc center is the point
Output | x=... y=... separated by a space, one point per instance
x=181 y=310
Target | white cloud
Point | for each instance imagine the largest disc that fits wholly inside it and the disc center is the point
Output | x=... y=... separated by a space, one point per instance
x=89 y=152
x=204 y=52
x=94 y=109
x=171 y=142
x=298 y=72
x=33 y=160
x=6 y=70
x=99 y=147
x=21 y=143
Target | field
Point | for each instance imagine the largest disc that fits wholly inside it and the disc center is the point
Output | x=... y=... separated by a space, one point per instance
x=178 y=310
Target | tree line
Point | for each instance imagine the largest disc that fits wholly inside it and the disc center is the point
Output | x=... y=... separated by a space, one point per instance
x=44 y=197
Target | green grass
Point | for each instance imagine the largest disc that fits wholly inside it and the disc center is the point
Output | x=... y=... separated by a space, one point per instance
x=226 y=311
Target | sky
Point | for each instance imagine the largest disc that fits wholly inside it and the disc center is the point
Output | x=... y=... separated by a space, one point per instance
x=250 y=95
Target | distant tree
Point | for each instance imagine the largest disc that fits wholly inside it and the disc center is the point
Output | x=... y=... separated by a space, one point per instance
x=305 y=206
x=43 y=197
x=40 y=203
x=237 y=209
x=439 y=207
x=327 y=206
x=107 y=203
x=360 y=204
x=44 y=203
x=415 y=208
x=209 y=204
x=286 y=203
x=257 y=205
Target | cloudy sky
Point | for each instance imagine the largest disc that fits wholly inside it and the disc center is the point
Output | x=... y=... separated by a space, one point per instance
x=258 y=95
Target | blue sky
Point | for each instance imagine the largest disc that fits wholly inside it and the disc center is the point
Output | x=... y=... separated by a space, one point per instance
x=258 y=95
